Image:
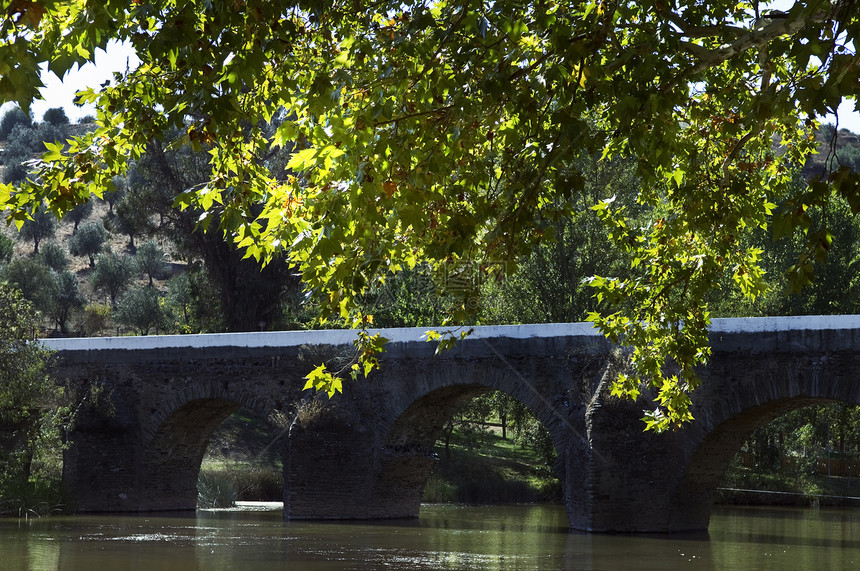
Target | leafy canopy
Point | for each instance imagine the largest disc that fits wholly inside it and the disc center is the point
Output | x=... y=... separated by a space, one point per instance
x=444 y=131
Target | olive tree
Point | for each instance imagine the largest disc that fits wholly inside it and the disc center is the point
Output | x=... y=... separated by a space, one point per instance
x=112 y=275
x=54 y=256
x=141 y=308
x=68 y=299
x=56 y=116
x=36 y=281
x=151 y=260
x=78 y=214
x=88 y=241
x=40 y=226
x=11 y=118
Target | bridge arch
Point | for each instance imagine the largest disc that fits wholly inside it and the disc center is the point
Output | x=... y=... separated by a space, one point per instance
x=176 y=437
x=730 y=411
x=416 y=417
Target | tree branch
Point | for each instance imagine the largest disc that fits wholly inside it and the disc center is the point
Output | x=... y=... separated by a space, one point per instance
x=757 y=37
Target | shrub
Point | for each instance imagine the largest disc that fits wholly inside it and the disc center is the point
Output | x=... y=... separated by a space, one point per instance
x=96 y=318
x=29 y=407
x=216 y=489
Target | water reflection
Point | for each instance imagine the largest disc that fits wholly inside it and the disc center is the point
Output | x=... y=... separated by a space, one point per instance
x=444 y=537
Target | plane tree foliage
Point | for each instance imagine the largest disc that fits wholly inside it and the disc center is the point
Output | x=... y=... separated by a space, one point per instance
x=431 y=132
x=552 y=283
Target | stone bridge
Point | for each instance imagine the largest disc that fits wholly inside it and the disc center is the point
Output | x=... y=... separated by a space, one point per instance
x=150 y=404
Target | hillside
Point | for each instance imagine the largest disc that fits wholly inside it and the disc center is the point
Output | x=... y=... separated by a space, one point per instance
x=847 y=152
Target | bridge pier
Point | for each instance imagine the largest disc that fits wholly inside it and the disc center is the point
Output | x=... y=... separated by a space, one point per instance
x=633 y=476
x=102 y=459
x=336 y=469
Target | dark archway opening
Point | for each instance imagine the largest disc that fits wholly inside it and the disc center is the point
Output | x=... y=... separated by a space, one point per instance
x=808 y=456
x=493 y=450
x=713 y=470
x=174 y=459
x=243 y=462
x=487 y=447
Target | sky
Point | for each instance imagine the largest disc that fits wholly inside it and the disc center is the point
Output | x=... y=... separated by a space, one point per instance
x=61 y=93
x=119 y=57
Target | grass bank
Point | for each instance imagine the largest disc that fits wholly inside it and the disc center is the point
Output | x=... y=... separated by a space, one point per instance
x=242 y=463
x=490 y=471
x=747 y=486
x=221 y=485
x=33 y=499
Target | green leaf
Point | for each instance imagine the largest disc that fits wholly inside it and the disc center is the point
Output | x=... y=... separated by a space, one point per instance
x=302 y=160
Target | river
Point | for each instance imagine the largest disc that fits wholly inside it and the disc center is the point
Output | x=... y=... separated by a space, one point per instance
x=444 y=537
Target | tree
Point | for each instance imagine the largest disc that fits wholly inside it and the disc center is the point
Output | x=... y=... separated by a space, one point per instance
x=78 y=214
x=13 y=117
x=437 y=132
x=251 y=296
x=195 y=301
x=151 y=260
x=53 y=256
x=27 y=394
x=36 y=281
x=551 y=285
x=115 y=193
x=40 y=226
x=112 y=275
x=88 y=241
x=7 y=249
x=56 y=116
x=129 y=219
x=69 y=299
x=141 y=308
x=181 y=300
x=15 y=172
x=33 y=137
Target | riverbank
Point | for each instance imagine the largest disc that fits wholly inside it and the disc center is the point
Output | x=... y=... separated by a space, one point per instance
x=746 y=486
x=490 y=470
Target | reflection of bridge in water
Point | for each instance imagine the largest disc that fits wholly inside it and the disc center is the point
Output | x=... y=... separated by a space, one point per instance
x=152 y=404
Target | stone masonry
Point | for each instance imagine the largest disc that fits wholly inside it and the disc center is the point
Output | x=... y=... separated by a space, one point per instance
x=150 y=405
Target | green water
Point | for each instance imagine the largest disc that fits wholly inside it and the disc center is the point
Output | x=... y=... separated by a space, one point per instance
x=444 y=537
